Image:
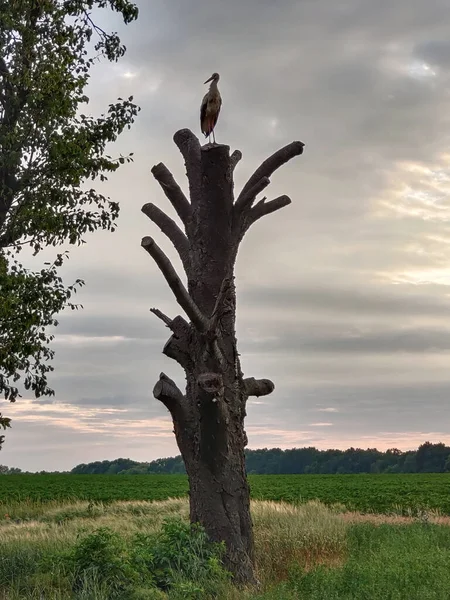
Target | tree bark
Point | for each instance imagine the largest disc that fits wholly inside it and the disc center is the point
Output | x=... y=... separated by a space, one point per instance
x=209 y=419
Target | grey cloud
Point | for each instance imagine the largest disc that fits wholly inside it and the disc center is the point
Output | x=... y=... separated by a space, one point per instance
x=357 y=403
x=434 y=52
x=378 y=300
x=143 y=327
x=315 y=279
x=114 y=401
x=310 y=339
x=124 y=371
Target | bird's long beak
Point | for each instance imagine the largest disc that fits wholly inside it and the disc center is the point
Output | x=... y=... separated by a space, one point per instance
x=210 y=79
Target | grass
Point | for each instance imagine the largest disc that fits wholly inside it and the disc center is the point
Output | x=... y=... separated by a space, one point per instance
x=305 y=535
x=303 y=552
x=384 y=562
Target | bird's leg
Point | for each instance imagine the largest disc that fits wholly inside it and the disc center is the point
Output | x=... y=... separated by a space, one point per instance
x=214 y=137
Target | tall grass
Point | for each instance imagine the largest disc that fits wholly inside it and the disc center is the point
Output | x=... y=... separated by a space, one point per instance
x=303 y=552
x=386 y=562
x=304 y=535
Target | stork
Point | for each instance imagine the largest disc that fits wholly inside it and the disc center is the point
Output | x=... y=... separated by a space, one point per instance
x=210 y=108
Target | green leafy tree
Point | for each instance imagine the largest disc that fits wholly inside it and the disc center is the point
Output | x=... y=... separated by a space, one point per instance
x=447 y=465
x=4 y=470
x=51 y=152
x=431 y=458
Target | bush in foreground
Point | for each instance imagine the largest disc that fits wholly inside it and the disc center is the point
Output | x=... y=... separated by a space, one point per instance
x=180 y=560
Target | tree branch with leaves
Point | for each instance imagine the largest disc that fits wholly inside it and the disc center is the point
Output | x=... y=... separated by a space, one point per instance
x=49 y=151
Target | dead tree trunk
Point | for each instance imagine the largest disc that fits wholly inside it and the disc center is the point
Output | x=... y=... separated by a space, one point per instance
x=209 y=418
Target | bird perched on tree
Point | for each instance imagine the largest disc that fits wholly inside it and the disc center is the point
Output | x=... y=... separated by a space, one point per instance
x=210 y=108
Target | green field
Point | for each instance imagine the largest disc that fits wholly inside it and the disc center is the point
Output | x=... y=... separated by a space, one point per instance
x=366 y=493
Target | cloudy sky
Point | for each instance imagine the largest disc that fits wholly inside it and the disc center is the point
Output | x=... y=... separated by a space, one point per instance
x=343 y=297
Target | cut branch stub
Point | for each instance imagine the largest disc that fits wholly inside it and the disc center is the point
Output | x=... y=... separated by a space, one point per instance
x=177 y=347
x=263 y=208
x=246 y=200
x=271 y=164
x=173 y=192
x=258 y=387
x=189 y=147
x=175 y=284
x=234 y=159
x=171 y=230
x=167 y=392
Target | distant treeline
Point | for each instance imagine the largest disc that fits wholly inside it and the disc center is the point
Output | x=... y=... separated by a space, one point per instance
x=429 y=458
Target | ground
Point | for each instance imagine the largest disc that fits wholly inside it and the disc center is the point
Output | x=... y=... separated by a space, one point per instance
x=304 y=552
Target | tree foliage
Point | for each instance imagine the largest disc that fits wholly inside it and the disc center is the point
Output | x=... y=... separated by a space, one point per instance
x=428 y=458
x=51 y=153
x=28 y=303
x=4 y=470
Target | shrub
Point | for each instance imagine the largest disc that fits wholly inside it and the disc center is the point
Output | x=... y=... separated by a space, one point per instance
x=182 y=559
x=102 y=556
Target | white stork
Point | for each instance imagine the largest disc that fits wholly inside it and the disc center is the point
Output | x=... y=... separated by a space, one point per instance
x=210 y=108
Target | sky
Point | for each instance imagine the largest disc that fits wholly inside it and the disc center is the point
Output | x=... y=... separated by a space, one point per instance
x=343 y=296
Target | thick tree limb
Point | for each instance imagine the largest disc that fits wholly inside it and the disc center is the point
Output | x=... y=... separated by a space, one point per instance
x=271 y=164
x=263 y=208
x=175 y=284
x=246 y=200
x=167 y=392
x=258 y=387
x=173 y=192
x=189 y=147
x=234 y=159
x=171 y=230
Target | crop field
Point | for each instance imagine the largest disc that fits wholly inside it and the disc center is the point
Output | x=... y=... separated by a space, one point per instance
x=365 y=493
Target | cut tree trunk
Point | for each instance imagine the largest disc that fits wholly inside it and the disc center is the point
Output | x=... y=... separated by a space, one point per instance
x=209 y=418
